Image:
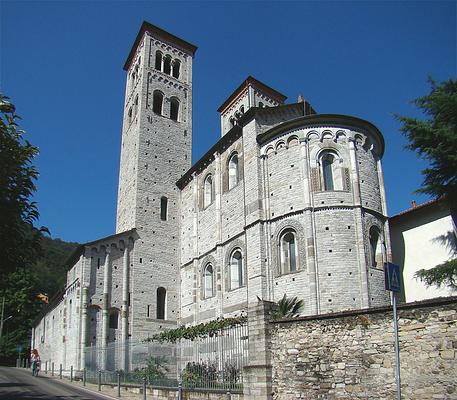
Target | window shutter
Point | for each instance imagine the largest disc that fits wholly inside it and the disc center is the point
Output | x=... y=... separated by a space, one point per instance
x=224 y=181
x=315 y=181
x=346 y=179
x=201 y=196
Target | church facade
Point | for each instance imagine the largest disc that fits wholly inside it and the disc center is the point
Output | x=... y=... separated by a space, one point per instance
x=288 y=201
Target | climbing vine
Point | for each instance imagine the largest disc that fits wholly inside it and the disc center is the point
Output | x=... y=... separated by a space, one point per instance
x=212 y=328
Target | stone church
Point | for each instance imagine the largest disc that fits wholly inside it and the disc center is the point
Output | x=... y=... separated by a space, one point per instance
x=288 y=201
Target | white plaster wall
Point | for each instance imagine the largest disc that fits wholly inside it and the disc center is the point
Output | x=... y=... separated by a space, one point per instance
x=424 y=250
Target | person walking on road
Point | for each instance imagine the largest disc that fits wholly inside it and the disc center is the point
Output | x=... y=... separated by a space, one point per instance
x=35 y=360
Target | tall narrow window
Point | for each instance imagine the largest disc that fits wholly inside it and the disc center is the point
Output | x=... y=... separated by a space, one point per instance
x=208 y=191
x=208 y=281
x=375 y=248
x=147 y=90
x=158 y=64
x=174 y=108
x=288 y=250
x=136 y=105
x=113 y=319
x=167 y=65
x=157 y=101
x=163 y=208
x=327 y=171
x=161 y=302
x=176 y=67
x=130 y=115
x=236 y=270
x=234 y=173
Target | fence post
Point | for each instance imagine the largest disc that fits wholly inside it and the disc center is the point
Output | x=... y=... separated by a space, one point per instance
x=71 y=373
x=180 y=391
x=118 y=384
x=26 y=363
x=144 y=388
x=46 y=367
x=84 y=377
x=60 y=372
x=52 y=368
x=99 y=380
x=229 y=395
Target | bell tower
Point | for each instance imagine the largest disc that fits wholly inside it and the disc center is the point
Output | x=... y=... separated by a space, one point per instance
x=156 y=152
x=157 y=126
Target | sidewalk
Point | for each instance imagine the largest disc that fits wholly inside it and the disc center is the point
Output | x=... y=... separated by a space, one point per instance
x=107 y=390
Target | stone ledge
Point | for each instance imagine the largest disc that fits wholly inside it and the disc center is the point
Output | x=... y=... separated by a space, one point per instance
x=374 y=310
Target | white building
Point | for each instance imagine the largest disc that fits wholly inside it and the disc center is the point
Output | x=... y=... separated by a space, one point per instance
x=420 y=240
x=287 y=201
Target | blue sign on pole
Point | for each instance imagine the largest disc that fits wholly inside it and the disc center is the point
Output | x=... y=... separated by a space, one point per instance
x=392 y=277
x=19 y=348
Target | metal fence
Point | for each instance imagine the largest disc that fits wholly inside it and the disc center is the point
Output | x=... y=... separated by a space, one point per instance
x=211 y=362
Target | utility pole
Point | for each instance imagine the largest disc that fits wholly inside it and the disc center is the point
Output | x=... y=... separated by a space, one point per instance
x=3 y=312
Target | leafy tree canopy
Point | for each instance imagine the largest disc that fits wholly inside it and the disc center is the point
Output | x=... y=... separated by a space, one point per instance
x=30 y=263
x=435 y=140
x=19 y=242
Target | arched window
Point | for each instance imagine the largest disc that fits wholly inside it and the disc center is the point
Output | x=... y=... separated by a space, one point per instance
x=260 y=104
x=114 y=319
x=328 y=161
x=158 y=64
x=208 y=191
x=161 y=302
x=176 y=67
x=174 y=108
x=288 y=251
x=163 y=208
x=234 y=173
x=208 y=281
x=331 y=171
x=242 y=109
x=157 y=101
x=375 y=248
x=167 y=65
x=232 y=121
x=236 y=270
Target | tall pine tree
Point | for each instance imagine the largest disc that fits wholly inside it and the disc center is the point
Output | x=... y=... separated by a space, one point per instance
x=435 y=140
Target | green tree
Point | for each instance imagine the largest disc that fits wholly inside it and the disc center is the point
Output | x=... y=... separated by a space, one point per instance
x=287 y=308
x=19 y=241
x=435 y=140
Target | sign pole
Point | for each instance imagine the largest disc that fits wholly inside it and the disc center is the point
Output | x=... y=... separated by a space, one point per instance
x=393 y=280
x=397 y=347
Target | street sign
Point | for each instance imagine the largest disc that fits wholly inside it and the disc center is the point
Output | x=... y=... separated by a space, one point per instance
x=392 y=277
x=19 y=348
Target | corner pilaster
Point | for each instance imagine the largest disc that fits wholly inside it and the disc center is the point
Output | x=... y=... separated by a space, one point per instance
x=258 y=373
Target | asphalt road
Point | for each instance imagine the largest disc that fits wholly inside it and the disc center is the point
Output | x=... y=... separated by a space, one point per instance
x=20 y=384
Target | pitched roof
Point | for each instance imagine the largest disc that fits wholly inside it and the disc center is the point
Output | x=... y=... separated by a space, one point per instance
x=251 y=81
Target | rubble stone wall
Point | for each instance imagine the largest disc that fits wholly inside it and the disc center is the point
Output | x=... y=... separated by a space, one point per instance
x=351 y=355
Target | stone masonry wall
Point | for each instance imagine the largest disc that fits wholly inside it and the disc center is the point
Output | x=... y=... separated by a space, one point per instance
x=351 y=355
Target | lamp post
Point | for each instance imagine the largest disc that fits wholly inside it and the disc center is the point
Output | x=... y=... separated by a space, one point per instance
x=1 y=325
x=3 y=320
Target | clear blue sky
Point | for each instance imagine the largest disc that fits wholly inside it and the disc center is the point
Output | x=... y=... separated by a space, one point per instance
x=61 y=64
